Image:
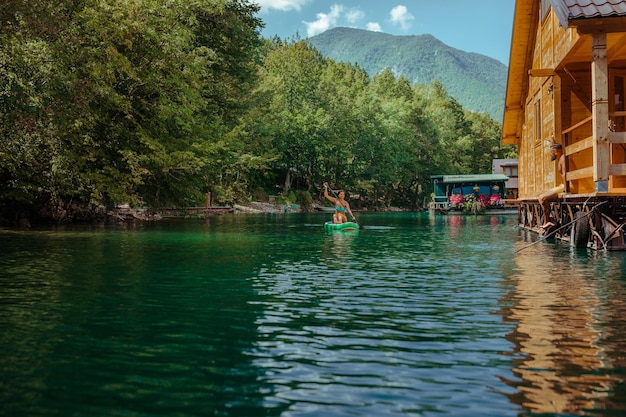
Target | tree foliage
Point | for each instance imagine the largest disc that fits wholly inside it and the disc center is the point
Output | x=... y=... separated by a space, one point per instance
x=155 y=103
x=478 y=82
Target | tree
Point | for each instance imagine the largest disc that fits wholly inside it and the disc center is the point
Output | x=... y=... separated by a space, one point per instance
x=149 y=103
x=108 y=102
x=485 y=142
x=291 y=76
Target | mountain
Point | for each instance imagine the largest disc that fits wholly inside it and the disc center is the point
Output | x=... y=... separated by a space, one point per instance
x=477 y=81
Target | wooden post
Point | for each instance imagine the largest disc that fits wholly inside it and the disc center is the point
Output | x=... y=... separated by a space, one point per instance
x=600 y=112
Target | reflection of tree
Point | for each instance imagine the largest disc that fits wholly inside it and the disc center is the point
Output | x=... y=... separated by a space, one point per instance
x=134 y=321
x=565 y=334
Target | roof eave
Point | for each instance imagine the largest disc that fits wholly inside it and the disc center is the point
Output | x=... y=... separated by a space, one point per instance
x=520 y=60
x=605 y=24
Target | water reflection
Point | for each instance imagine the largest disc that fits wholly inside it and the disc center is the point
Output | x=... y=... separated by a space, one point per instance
x=338 y=244
x=255 y=316
x=567 y=316
x=116 y=323
x=386 y=322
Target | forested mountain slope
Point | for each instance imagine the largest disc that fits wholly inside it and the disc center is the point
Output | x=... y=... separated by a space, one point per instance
x=477 y=81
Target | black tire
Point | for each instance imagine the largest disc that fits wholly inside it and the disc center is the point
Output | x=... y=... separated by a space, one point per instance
x=581 y=230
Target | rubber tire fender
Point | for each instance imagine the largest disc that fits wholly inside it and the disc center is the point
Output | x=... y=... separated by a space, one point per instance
x=581 y=230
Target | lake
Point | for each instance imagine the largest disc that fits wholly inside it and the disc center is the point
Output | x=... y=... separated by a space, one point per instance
x=271 y=315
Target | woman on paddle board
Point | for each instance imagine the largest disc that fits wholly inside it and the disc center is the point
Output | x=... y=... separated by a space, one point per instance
x=341 y=205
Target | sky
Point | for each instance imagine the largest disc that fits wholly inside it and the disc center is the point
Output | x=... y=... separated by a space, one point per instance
x=481 y=26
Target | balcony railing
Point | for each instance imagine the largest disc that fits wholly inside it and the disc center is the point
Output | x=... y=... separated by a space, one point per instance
x=580 y=145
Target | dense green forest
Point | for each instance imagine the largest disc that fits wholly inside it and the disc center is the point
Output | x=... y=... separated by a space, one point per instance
x=477 y=81
x=155 y=103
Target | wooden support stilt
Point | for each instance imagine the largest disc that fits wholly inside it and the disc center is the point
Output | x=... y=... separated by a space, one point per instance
x=600 y=112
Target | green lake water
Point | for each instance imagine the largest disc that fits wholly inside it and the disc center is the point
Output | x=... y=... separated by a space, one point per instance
x=271 y=315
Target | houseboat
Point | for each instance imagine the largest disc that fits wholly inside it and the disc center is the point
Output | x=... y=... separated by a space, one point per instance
x=566 y=88
x=473 y=194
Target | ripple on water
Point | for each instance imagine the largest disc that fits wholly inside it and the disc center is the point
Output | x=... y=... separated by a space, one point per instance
x=266 y=316
x=378 y=338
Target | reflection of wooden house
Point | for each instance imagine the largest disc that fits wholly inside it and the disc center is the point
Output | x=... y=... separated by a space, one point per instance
x=567 y=84
x=560 y=337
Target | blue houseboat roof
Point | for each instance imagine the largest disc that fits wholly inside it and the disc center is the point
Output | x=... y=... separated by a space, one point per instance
x=476 y=178
x=445 y=185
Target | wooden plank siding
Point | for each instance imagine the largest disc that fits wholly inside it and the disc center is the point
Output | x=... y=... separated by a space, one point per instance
x=566 y=85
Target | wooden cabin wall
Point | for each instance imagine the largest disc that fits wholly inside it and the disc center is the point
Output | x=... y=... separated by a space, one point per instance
x=537 y=172
x=554 y=104
x=564 y=40
x=575 y=108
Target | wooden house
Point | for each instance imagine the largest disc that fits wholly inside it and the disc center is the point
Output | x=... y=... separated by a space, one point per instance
x=507 y=167
x=567 y=85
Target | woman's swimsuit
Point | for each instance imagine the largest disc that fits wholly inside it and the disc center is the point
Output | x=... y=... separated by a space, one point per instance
x=340 y=208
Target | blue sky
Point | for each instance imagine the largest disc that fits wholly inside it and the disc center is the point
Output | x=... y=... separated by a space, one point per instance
x=481 y=26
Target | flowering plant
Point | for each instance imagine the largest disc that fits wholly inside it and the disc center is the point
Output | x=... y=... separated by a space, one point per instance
x=457 y=200
x=494 y=200
x=472 y=204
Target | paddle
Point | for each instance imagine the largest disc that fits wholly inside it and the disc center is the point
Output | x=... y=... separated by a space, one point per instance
x=353 y=218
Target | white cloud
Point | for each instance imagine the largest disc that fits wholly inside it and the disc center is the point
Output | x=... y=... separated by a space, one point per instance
x=400 y=16
x=324 y=21
x=354 y=15
x=374 y=27
x=282 y=5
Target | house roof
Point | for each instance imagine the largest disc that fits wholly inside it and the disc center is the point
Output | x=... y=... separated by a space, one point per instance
x=586 y=9
x=586 y=15
x=473 y=178
x=524 y=28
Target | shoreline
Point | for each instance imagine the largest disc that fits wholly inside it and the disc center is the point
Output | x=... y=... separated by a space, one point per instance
x=127 y=214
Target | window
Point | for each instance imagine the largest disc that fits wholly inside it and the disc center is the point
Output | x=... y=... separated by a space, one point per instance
x=509 y=171
x=538 y=121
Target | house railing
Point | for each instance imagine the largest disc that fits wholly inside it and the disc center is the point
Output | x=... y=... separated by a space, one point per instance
x=586 y=143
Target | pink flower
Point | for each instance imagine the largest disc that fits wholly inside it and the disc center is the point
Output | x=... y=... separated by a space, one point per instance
x=457 y=200
x=483 y=199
